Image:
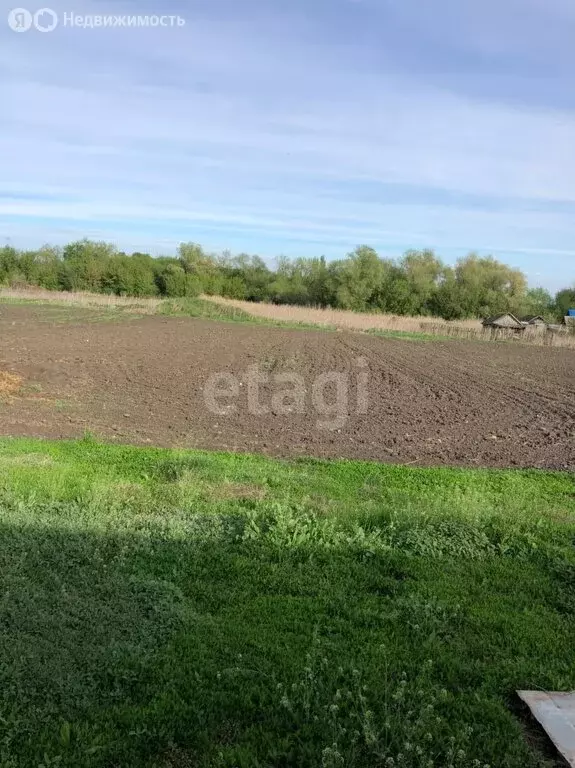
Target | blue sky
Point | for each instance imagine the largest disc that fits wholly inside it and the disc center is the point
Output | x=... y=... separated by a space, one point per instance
x=298 y=128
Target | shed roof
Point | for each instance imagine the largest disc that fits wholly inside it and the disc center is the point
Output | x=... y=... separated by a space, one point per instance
x=531 y=318
x=498 y=320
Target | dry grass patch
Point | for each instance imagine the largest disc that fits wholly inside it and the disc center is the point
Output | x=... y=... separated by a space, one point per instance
x=10 y=383
x=80 y=298
x=237 y=492
x=340 y=318
x=464 y=330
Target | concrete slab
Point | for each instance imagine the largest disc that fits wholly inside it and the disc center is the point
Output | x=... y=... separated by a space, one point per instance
x=555 y=711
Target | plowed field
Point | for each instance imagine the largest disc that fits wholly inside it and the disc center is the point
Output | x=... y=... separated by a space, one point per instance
x=146 y=380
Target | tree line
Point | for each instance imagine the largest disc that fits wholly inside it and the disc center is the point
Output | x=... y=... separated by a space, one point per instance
x=417 y=283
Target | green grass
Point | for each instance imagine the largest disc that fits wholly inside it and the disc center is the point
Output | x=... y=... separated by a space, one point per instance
x=410 y=335
x=210 y=310
x=162 y=608
x=424 y=336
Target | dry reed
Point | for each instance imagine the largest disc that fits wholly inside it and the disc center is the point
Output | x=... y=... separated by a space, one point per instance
x=342 y=319
x=81 y=298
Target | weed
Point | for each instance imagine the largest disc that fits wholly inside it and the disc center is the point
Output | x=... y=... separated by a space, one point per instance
x=150 y=620
x=89 y=438
x=333 y=706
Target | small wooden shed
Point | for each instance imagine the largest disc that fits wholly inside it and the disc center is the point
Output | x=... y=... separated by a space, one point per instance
x=533 y=320
x=506 y=321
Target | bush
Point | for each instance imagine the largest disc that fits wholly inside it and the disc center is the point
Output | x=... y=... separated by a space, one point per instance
x=419 y=283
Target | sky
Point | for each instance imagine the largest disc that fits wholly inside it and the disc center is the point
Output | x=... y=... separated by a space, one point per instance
x=299 y=128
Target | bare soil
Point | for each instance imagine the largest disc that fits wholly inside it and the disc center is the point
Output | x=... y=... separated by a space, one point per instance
x=142 y=380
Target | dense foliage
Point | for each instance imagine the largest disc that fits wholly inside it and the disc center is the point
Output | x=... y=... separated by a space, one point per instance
x=418 y=283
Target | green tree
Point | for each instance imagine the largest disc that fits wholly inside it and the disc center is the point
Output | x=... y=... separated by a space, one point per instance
x=48 y=259
x=564 y=301
x=358 y=278
x=128 y=276
x=173 y=282
x=142 y=281
x=291 y=283
x=195 y=260
x=88 y=261
x=417 y=283
x=234 y=287
x=254 y=273
x=319 y=283
x=448 y=301
x=396 y=293
x=8 y=263
x=539 y=301
x=486 y=286
x=423 y=272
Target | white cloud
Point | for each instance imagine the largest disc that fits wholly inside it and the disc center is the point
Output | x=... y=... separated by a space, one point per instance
x=252 y=122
